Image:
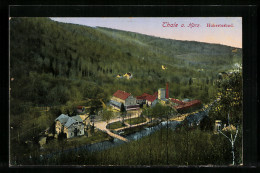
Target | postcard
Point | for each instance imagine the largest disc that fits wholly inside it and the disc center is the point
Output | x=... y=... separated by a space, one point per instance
x=139 y=91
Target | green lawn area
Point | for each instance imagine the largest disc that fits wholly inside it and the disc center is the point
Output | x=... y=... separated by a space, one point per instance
x=115 y=125
x=134 y=121
x=81 y=140
x=56 y=144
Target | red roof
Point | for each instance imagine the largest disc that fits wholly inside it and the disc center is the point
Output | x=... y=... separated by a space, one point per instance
x=121 y=94
x=177 y=101
x=142 y=97
x=188 y=104
x=146 y=96
x=150 y=98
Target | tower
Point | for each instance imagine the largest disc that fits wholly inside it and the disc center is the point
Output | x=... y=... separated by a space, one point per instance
x=161 y=93
x=167 y=90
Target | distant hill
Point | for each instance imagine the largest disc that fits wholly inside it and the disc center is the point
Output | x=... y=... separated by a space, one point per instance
x=49 y=58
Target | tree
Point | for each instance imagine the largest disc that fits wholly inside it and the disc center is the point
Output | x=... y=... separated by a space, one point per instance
x=190 y=81
x=229 y=102
x=158 y=111
x=231 y=139
x=123 y=112
x=147 y=111
x=92 y=119
x=206 y=124
x=207 y=81
x=169 y=112
x=61 y=138
x=106 y=115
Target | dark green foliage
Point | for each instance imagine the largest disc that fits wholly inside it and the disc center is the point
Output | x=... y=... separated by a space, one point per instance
x=92 y=110
x=52 y=128
x=185 y=147
x=107 y=115
x=206 y=124
x=122 y=109
x=190 y=81
x=159 y=111
x=123 y=112
x=87 y=58
x=62 y=136
x=230 y=100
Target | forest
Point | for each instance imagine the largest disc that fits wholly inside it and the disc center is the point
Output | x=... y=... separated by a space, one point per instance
x=70 y=60
x=57 y=66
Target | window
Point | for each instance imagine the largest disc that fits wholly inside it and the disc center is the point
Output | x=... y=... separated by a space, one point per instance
x=218 y=127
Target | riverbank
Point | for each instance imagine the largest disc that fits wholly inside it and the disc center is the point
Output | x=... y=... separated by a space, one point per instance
x=165 y=146
x=103 y=141
x=76 y=142
x=98 y=136
x=135 y=129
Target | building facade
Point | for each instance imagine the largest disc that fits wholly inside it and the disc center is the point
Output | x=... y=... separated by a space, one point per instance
x=122 y=97
x=71 y=126
x=151 y=101
x=148 y=99
x=161 y=93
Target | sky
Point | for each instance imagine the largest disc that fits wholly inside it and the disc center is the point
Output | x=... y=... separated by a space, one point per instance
x=171 y=27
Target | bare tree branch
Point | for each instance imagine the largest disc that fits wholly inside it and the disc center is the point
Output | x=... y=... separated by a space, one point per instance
x=224 y=135
x=236 y=134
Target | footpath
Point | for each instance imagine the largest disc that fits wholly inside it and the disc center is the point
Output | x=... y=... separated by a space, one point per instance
x=102 y=126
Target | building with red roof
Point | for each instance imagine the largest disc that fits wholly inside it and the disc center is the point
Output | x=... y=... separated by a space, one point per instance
x=188 y=105
x=151 y=100
x=148 y=99
x=122 y=97
x=178 y=102
x=121 y=94
x=80 y=109
x=141 y=99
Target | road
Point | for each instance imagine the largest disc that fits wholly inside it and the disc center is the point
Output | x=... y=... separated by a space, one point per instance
x=102 y=126
x=130 y=126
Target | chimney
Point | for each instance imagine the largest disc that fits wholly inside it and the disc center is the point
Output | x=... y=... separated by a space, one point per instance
x=167 y=90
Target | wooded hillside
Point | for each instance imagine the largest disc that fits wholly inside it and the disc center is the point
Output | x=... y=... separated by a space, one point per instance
x=54 y=62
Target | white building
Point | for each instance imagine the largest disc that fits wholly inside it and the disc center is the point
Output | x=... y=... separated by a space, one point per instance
x=71 y=126
x=120 y=97
x=161 y=93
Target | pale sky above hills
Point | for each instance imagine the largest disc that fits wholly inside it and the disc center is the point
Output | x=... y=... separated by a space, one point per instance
x=231 y=36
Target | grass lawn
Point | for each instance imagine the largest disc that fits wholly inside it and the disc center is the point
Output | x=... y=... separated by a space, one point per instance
x=134 y=121
x=81 y=140
x=115 y=125
x=131 y=130
x=138 y=128
x=56 y=144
